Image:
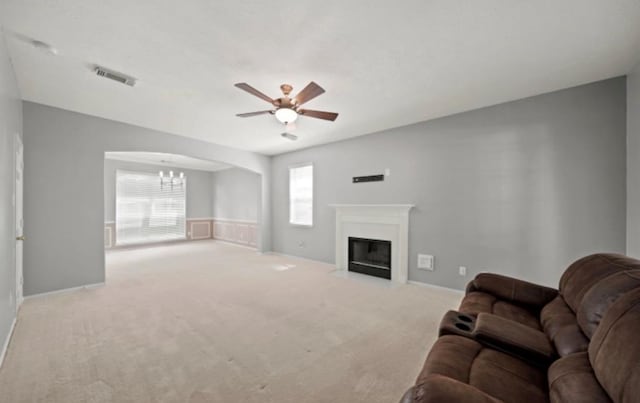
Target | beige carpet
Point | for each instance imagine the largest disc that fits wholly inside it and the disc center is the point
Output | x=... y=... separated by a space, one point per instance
x=210 y=322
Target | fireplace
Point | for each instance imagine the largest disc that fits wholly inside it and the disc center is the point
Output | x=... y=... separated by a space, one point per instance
x=375 y=221
x=370 y=256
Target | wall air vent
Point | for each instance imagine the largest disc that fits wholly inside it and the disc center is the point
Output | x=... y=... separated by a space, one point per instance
x=115 y=76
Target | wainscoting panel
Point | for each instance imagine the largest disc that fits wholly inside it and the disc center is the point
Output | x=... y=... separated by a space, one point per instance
x=109 y=235
x=253 y=235
x=199 y=229
x=240 y=232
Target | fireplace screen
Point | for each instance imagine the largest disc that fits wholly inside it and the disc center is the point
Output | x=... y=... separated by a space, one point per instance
x=370 y=256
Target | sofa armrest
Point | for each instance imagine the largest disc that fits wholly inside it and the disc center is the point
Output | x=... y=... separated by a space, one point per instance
x=512 y=289
x=514 y=338
x=438 y=389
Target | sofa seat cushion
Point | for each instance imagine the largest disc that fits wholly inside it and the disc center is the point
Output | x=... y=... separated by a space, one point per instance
x=477 y=302
x=561 y=327
x=495 y=374
x=571 y=379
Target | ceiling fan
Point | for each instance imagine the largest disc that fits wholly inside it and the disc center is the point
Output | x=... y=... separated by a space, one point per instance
x=288 y=108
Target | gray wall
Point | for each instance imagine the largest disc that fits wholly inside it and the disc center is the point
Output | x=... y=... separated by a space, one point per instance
x=633 y=162
x=64 y=186
x=235 y=194
x=521 y=188
x=199 y=200
x=10 y=124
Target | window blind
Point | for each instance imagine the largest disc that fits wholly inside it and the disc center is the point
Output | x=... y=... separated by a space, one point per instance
x=147 y=212
x=301 y=195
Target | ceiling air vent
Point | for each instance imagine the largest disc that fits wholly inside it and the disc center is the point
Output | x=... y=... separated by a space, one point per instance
x=115 y=76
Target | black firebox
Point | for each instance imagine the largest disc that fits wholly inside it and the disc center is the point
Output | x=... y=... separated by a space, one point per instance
x=370 y=256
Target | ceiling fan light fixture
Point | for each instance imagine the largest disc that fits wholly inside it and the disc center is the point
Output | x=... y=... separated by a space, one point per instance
x=286 y=115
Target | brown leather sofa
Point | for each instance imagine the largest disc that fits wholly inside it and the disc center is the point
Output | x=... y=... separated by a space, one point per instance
x=513 y=341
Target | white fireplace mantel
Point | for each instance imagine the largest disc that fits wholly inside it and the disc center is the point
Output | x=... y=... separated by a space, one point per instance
x=389 y=222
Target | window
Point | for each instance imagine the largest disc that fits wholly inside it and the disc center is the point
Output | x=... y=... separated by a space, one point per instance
x=301 y=195
x=147 y=212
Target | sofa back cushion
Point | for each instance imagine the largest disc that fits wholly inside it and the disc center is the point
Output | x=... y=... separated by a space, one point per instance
x=602 y=295
x=614 y=351
x=581 y=275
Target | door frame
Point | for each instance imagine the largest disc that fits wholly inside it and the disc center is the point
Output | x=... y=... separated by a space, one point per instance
x=19 y=268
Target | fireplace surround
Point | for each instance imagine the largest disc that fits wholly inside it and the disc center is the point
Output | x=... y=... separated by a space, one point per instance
x=386 y=222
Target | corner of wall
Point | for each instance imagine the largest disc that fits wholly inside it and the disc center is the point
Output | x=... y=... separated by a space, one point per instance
x=12 y=119
x=633 y=162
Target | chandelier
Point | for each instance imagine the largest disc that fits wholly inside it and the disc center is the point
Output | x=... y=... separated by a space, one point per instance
x=171 y=180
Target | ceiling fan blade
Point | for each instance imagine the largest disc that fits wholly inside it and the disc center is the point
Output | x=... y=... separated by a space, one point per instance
x=253 y=91
x=308 y=93
x=249 y=114
x=318 y=114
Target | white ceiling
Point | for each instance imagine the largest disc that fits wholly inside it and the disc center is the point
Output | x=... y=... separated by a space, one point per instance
x=382 y=63
x=169 y=160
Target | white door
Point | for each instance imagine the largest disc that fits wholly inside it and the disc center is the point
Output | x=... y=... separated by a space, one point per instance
x=19 y=218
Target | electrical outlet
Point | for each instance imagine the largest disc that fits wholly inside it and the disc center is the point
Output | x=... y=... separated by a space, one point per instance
x=426 y=262
x=301 y=244
x=387 y=172
x=462 y=271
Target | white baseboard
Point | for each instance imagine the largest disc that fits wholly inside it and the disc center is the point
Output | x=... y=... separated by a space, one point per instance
x=233 y=244
x=418 y=283
x=438 y=287
x=298 y=257
x=65 y=290
x=5 y=347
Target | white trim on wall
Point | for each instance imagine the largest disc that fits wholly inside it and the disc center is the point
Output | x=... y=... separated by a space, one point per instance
x=65 y=290
x=234 y=220
x=240 y=246
x=299 y=258
x=436 y=287
x=5 y=346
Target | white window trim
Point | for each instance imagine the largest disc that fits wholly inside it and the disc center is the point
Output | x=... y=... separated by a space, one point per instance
x=313 y=198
